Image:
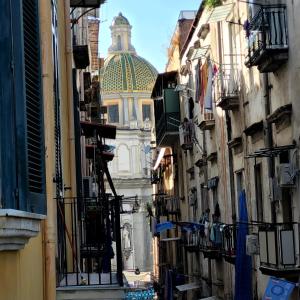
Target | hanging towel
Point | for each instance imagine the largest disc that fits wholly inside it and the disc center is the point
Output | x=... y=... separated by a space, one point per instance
x=204 y=74
x=208 y=93
x=198 y=81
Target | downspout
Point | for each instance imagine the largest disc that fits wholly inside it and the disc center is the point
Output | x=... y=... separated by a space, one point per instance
x=49 y=226
x=269 y=141
x=68 y=54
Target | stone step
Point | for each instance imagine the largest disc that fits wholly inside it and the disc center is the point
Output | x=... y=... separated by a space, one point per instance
x=90 y=293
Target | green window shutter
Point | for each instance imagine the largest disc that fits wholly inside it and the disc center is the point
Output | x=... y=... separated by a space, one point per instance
x=22 y=176
x=34 y=126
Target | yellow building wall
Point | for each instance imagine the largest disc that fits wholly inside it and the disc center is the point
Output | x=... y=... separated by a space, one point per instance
x=30 y=274
x=22 y=272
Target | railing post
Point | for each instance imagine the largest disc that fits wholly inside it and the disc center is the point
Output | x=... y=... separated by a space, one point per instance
x=118 y=241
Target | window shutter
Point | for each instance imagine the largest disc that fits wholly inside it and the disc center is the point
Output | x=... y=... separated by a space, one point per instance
x=22 y=175
x=34 y=108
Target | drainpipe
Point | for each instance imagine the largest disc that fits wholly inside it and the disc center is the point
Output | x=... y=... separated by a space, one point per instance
x=71 y=137
x=269 y=141
x=49 y=226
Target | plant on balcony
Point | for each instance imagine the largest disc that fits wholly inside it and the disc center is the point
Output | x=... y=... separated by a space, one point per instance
x=212 y=3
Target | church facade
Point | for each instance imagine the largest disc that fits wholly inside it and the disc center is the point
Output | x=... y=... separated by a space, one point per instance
x=126 y=84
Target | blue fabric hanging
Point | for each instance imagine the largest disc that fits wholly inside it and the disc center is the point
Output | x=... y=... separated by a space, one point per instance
x=243 y=263
x=161 y=227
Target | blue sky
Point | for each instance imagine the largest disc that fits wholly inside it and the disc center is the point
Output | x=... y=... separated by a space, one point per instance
x=153 y=25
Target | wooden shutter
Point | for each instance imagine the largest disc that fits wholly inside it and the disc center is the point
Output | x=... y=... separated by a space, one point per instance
x=34 y=187
x=22 y=140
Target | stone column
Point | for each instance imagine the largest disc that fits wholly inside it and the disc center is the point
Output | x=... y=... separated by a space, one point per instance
x=125 y=112
x=137 y=110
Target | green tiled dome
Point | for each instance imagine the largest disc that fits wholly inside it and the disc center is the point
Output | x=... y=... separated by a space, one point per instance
x=126 y=72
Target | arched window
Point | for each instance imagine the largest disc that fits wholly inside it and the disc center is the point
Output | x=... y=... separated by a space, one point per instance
x=119 y=42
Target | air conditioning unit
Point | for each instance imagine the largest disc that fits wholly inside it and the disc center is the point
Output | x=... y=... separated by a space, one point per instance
x=252 y=246
x=286 y=175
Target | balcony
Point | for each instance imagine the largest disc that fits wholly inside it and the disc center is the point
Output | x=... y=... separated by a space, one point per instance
x=167 y=206
x=278 y=244
x=86 y=3
x=90 y=129
x=87 y=253
x=81 y=56
x=166 y=109
x=191 y=241
x=211 y=249
x=229 y=242
x=228 y=89
x=186 y=133
x=268 y=39
x=208 y=122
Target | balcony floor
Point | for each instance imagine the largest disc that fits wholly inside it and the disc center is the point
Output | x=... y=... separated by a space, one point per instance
x=71 y=279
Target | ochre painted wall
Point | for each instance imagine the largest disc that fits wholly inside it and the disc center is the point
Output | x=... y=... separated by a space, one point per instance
x=22 y=272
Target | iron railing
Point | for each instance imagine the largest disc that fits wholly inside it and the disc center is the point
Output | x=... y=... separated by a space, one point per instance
x=279 y=245
x=229 y=242
x=88 y=241
x=267 y=31
x=186 y=135
x=228 y=82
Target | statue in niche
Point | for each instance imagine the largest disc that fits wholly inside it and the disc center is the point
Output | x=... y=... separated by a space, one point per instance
x=126 y=240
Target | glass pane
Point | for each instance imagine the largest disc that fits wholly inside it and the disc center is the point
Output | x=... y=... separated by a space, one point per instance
x=287 y=247
x=113 y=113
x=272 y=247
x=146 y=112
x=263 y=247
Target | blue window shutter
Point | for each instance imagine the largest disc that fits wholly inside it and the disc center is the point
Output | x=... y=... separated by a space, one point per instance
x=34 y=126
x=22 y=175
x=7 y=108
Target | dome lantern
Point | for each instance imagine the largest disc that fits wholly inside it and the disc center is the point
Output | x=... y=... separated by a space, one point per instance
x=120 y=35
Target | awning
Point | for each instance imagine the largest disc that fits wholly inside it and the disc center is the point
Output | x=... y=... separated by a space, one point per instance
x=188 y=286
x=220 y=13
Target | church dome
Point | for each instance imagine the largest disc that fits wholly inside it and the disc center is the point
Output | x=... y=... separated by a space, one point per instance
x=127 y=72
x=120 y=20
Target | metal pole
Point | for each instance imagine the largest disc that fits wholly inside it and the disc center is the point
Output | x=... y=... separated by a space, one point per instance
x=118 y=240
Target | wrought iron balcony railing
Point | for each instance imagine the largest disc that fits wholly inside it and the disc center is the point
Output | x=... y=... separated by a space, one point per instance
x=87 y=241
x=229 y=242
x=268 y=38
x=228 y=84
x=186 y=135
x=279 y=249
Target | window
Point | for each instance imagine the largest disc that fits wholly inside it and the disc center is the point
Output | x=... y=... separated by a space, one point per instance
x=119 y=43
x=258 y=193
x=113 y=113
x=239 y=189
x=146 y=112
x=22 y=176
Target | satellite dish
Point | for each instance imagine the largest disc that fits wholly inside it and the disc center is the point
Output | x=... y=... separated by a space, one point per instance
x=147 y=149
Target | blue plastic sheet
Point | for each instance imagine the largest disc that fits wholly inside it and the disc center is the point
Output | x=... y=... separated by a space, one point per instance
x=140 y=295
x=164 y=226
x=278 y=289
